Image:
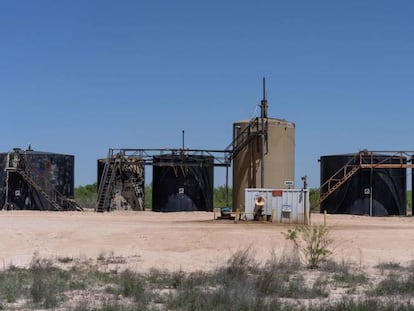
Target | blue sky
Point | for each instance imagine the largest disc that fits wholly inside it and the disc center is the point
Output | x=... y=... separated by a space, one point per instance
x=79 y=77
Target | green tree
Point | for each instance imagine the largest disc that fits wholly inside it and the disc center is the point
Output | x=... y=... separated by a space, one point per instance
x=222 y=197
x=148 y=197
x=86 y=196
x=314 y=195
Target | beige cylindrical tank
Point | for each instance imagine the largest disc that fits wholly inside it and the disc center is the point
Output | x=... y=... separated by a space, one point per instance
x=279 y=157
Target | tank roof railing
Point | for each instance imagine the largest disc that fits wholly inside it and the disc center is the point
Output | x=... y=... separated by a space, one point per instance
x=146 y=155
x=405 y=158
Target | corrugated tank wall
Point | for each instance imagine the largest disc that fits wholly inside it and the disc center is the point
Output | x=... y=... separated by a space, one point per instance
x=279 y=160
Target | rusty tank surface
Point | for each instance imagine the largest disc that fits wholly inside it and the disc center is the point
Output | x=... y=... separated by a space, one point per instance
x=35 y=180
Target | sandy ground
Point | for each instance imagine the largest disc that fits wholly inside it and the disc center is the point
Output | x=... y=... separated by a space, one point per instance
x=189 y=241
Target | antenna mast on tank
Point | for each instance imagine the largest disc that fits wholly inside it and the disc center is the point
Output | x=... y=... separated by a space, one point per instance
x=183 y=137
x=263 y=103
x=263 y=115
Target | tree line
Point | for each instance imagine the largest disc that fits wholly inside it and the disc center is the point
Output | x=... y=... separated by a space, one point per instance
x=86 y=196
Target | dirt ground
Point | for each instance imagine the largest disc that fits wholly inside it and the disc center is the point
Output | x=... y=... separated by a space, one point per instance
x=189 y=241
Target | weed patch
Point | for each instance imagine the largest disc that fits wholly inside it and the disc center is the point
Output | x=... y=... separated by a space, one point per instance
x=65 y=259
x=241 y=284
x=48 y=283
x=392 y=266
x=12 y=284
x=395 y=284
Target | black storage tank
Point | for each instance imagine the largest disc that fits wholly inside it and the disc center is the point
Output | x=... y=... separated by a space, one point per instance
x=412 y=185
x=182 y=183
x=28 y=178
x=375 y=192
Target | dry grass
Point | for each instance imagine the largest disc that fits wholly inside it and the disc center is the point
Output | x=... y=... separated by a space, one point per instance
x=242 y=283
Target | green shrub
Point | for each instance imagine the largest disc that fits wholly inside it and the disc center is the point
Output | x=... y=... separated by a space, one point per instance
x=312 y=243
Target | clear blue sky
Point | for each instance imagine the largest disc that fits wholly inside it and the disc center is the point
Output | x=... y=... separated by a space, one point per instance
x=79 y=77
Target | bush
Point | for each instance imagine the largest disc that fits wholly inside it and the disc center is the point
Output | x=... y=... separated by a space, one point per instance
x=312 y=243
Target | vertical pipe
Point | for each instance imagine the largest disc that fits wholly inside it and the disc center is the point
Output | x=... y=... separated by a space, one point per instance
x=232 y=159
x=6 y=203
x=262 y=134
x=412 y=185
x=252 y=172
x=370 y=197
x=183 y=139
x=262 y=167
x=227 y=185
x=305 y=199
x=370 y=184
x=234 y=138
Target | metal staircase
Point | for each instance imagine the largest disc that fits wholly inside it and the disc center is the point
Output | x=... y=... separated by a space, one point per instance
x=244 y=137
x=339 y=178
x=31 y=182
x=107 y=182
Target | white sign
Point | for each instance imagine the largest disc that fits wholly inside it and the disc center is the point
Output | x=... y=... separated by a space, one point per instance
x=289 y=183
x=180 y=190
x=286 y=208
